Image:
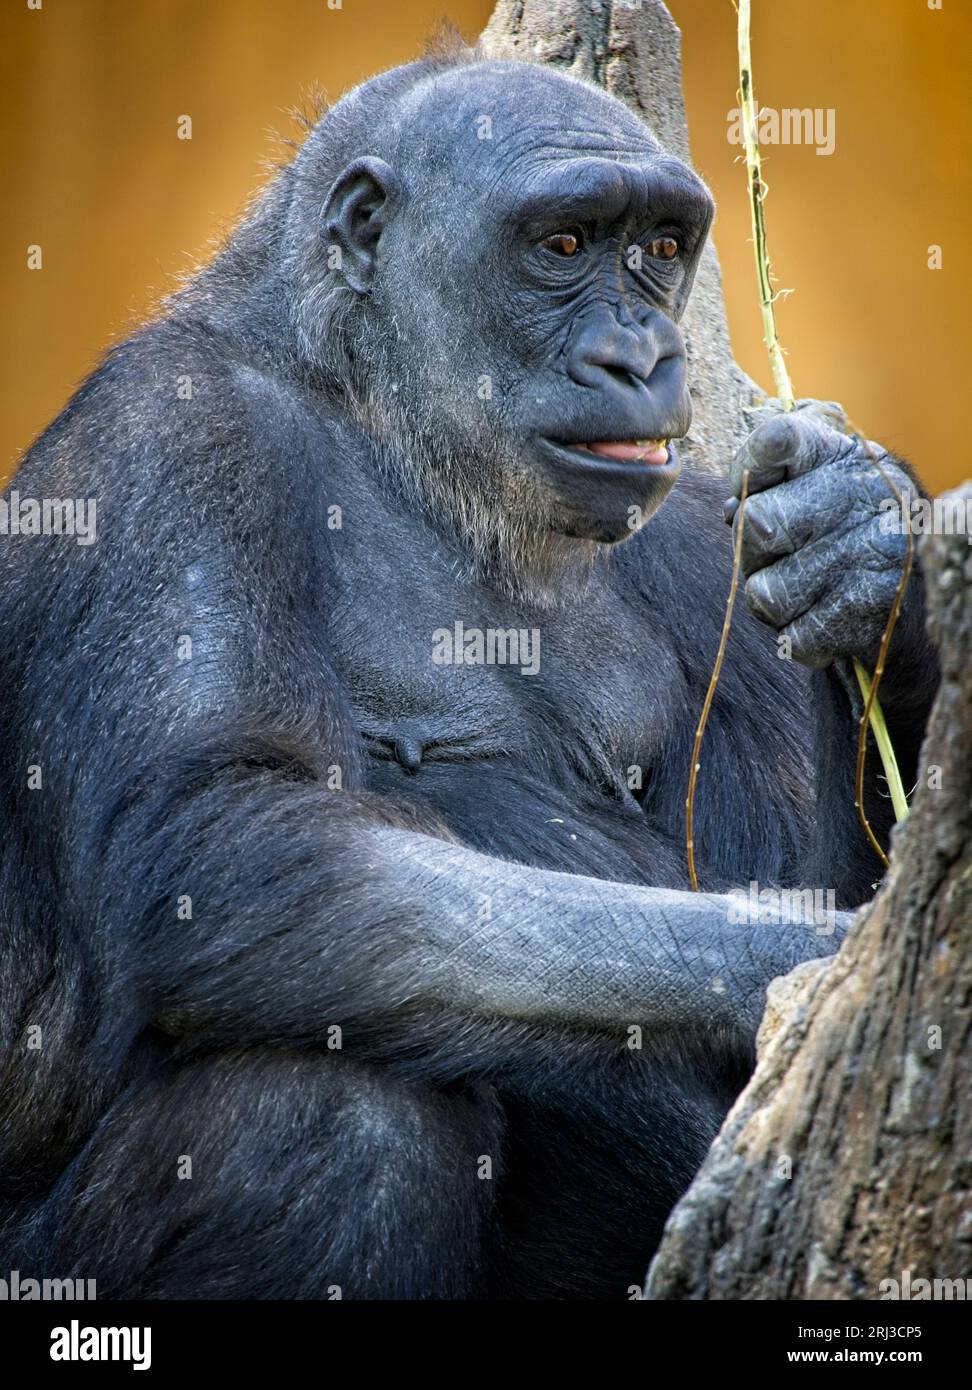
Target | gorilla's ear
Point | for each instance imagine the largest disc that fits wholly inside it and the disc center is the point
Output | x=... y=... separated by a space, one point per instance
x=358 y=207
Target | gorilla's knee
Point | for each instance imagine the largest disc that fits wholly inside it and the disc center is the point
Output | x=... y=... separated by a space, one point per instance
x=280 y=1175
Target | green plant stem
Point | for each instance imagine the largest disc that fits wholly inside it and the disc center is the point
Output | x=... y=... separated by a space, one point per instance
x=781 y=377
x=882 y=738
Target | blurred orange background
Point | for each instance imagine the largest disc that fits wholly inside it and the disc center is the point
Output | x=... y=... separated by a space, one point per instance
x=91 y=92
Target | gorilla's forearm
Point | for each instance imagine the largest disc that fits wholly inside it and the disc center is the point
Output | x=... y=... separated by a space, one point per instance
x=308 y=916
x=507 y=940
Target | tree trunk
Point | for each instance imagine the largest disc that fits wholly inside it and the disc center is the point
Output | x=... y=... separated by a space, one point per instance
x=634 y=51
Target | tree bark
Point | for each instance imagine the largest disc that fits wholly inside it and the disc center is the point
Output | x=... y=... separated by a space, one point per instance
x=632 y=48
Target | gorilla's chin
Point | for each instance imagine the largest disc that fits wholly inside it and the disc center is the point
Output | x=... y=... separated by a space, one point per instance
x=596 y=499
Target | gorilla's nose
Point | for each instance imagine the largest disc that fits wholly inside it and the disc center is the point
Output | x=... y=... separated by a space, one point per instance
x=631 y=364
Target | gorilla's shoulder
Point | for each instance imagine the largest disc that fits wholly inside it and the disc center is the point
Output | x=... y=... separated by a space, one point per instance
x=178 y=399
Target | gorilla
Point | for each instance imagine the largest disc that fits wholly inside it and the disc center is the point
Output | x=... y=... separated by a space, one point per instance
x=348 y=945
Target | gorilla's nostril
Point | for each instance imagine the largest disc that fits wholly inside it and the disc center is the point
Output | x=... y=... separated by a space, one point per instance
x=625 y=376
x=622 y=374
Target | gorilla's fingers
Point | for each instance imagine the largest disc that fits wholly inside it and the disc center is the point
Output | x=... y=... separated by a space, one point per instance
x=783 y=591
x=773 y=528
x=843 y=624
x=792 y=514
x=787 y=446
x=764 y=454
x=835 y=498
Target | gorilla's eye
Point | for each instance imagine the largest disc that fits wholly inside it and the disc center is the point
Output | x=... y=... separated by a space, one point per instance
x=564 y=243
x=663 y=248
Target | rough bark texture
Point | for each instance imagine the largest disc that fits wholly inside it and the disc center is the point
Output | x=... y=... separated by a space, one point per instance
x=863 y=1082
x=634 y=51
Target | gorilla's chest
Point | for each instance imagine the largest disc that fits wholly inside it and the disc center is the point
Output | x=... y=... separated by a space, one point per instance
x=456 y=691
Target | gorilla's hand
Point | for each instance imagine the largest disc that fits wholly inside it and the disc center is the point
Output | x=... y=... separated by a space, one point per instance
x=820 y=560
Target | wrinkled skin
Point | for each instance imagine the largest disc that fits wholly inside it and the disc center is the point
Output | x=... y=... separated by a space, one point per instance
x=439 y=910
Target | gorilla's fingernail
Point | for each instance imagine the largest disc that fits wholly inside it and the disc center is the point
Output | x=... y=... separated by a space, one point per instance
x=729 y=510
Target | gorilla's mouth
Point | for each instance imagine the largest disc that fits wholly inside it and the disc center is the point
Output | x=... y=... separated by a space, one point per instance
x=654 y=454
x=651 y=451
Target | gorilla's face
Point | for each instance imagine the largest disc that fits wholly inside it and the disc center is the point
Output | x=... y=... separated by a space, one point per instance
x=531 y=250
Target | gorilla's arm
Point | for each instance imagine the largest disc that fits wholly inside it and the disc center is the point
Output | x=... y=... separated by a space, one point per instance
x=562 y=947
x=405 y=940
x=311 y=908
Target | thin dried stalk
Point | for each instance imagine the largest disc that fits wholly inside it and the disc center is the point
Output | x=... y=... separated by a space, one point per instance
x=713 y=682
